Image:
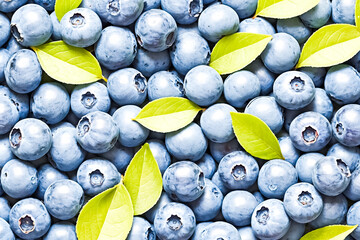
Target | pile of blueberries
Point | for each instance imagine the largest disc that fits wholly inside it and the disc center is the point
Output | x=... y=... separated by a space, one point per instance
x=62 y=144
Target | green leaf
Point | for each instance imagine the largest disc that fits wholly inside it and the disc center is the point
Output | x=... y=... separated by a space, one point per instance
x=330 y=45
x=143 y=180
x=167 y=114
x=334 y=232
x=255 y=136
x=357 y=14
x=63 y=6
x=236 y=51
x=68 y=64
x=107 y=216
x=284 y=8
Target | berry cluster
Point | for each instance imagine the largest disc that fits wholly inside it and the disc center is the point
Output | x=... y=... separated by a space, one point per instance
x=61 y=144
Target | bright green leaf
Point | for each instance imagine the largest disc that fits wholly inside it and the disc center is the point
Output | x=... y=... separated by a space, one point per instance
x=168 y=114
x=330 y=45
x=236 y=51
x=284 y=8
x=68 y=64
x=357 y=14
x=107 y=216
x=255 y=136
x=333 y=232
x=63 y=6
x=143 y=180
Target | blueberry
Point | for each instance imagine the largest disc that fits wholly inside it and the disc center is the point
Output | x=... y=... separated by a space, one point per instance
x=163 y=200
x=350 y=155
x=80 y=27
x=89 y=98
x=150 y=4
x=23 y=71
x=317 y=16
x=352 y=192
x=184 y=58
x=97 y=132
x=141 y=230
x=343 y=11
x=160 y=153
x=199 y=228
x=56 y=35
x=219 y=230
x=217 y=21
x=64 y=199
x=294 y=90
x=61 y=230
x=184 y=181
x=267 y=109
x=88 y=4
x=127 y=86
x=296 y=231
x=65 y=154
x=256 y=25
x=316 y=74
x=4 y=57
x=49 y=5
x=302 y=202
x=116 y=47
x=30 y=139
x=11 y=6
x=187 y=143
x=21 y=101
x=219 y=183
x=321 y=104
x=266 y=77
x=342 y=84
x=4 y=29
x=120 y=156
x=216 y=123
x=207 y=165
x=97 y=175
x=238 y=206
x=290 y=153
x=240 y=87
x=246 y=233
x=155 y=37
x=275 y=177
x=310 y=131
x=334 y=212
x=5 y=230
x=208 y=80
x=331 y=176
x=208 y=205
x=165 y=84
x=269 y=220
x=132 y=134
x=8 y=115
x=353 y=218
x=183 y=11
x=29 y=219
x=31 y=25
x=306 y=164
x=19 y=179
x=13 y=46
x=282 y=53
x=47 y=175
x=193 y=28
x=50 y=102
x=238 y=170
x=345 y=127
x=149 y=63
x=4 y=209
x=295 y=28
x=119 y=12
x=244 y=9
x=219 y=150
x=174 y=221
